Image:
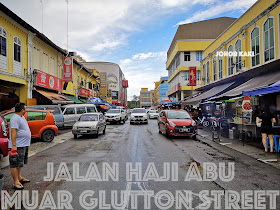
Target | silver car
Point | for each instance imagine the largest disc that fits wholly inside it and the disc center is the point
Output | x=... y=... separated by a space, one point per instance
x=115 y=115
x=89 y=123
x=139 y=115
x=153 y=114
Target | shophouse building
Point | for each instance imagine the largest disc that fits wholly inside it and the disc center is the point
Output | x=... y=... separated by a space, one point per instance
x=146 y=98
x=116 y=85
x=186 y=50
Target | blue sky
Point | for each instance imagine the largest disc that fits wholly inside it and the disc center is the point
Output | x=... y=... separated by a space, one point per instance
x=136 y=34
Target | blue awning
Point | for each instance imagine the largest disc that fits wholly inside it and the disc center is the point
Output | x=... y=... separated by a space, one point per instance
x=265 y=90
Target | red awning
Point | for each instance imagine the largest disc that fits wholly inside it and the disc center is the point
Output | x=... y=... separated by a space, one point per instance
x=55 y=97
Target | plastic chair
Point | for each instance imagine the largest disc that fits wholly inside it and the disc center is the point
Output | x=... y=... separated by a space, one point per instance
x=276 y=144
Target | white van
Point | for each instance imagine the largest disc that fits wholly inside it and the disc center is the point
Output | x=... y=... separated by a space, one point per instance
x=72 y=112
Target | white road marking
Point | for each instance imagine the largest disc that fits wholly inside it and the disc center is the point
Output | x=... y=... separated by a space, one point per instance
x=225 y=143
x=268 y=160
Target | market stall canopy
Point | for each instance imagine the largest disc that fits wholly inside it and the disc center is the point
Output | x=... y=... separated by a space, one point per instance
x=74 y=99
x=254 y=83
x=208 y=94
x=55 y=98
x=265 y=90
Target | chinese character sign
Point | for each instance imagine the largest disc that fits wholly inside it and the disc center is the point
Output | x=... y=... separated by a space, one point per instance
x=68 y=69
x=192 y=76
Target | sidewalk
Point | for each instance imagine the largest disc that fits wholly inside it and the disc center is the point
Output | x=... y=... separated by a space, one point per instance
x=272 y=159
x=39 y=147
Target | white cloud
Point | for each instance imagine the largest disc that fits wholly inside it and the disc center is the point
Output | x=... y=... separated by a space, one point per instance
x=106 y=44
x=219 y=8
x=142 y=70
x=143 y=56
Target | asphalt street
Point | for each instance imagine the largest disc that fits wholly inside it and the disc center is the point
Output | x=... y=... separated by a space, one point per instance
x=127 y=144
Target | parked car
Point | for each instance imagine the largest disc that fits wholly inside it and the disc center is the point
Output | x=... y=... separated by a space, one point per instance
x=41 y=123
x=57 y=113
x=89 y=123
x=177 y=123
x=153 y=114
x=72 y=112
x=116 y=115
x=139 y=115
x=3 y=137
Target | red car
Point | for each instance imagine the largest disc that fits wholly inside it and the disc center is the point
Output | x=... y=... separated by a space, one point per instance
x=177 y=123
x=3 y=137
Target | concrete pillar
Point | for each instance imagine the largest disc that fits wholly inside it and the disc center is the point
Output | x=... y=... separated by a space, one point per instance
x=177 y=96
x=182 y=95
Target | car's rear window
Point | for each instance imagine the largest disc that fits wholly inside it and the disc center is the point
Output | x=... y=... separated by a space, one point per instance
x=91 y=109
x=153 y=111
x=9 y=116
x=56 y=110
x=32 y=116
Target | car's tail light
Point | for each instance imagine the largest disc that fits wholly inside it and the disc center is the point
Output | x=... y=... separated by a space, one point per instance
x=4 y=128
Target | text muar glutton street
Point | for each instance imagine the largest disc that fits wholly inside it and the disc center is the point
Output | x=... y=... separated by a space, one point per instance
x=137 y=172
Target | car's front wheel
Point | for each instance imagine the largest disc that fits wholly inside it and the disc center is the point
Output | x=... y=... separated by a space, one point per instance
x=194 y=137
x=75 y=136
x=48 y=135
x=104 y=131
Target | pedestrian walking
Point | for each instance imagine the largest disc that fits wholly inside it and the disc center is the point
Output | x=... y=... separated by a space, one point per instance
x=20 y=137
x=267 y=118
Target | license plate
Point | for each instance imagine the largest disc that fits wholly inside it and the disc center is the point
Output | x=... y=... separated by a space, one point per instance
x=109 y=119
x=83 y=131
x=184 y=130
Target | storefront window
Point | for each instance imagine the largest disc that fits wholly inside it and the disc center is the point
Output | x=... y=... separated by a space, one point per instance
x=238 y=61
x=230 y=61
x=215 y=68
x=269 y=39
x=3 y=41
x=255 y=43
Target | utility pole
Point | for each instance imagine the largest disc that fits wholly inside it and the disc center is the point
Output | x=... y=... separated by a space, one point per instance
x=67 y=1
x=42 y=4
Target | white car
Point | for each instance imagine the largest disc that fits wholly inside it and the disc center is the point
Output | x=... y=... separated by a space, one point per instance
x=115 y=115
x=89 y=123
x=138 y=115
x=153 y=114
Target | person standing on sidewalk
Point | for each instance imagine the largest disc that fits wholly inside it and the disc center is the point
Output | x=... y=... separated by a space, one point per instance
x=20 y=137
x=267 y=118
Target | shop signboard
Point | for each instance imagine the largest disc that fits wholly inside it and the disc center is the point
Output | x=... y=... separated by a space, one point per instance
x=103 y=85
x=246 y=104
x=67 y=69
x=48 y=81
x=115 y=101
x=84 y=92
x=192 y=76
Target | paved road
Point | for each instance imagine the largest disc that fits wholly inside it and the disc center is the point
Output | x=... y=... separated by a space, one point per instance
x=131 y=144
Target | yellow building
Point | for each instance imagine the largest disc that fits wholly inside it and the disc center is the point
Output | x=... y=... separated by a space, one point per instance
x=13 y=61
x=257 y=31
x=156 y=92
x=31 y=67
x=186 y=50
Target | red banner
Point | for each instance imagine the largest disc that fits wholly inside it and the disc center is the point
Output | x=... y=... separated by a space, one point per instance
x=192 y=76
x=67 y=69
x=48 y=81
x=115 y=101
